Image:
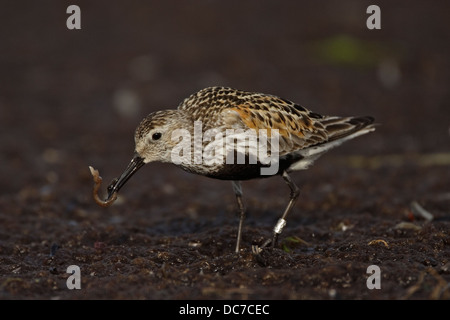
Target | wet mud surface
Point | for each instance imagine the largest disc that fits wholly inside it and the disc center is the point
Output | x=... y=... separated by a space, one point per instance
x=70 y=99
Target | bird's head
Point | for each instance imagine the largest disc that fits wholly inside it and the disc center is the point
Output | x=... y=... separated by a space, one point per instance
x=153 y=142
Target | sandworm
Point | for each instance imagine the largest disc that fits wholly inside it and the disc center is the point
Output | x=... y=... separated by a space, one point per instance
x=97 y=184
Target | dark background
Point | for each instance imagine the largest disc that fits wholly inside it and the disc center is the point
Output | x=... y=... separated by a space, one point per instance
x=72 y=98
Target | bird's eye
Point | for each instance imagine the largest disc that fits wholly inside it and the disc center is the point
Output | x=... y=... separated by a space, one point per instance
x=156 y=136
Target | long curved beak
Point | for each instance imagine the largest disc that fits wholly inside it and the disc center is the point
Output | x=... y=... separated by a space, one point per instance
x=118 y=183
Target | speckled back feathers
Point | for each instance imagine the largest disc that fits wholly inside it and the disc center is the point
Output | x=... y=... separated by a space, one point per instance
x=298 y=127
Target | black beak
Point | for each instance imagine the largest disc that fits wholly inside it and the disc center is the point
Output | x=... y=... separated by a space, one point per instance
x=117 y=183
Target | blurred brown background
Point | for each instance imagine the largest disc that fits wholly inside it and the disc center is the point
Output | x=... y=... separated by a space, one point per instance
x=72 y=98
x=84 y=91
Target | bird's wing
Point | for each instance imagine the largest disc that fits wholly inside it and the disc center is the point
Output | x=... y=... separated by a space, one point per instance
x=298 y=128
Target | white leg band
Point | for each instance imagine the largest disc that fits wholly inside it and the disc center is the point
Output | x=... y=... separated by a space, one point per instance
x=279 y=226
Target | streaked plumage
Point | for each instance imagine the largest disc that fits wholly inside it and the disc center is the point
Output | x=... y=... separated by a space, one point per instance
x=303 y=137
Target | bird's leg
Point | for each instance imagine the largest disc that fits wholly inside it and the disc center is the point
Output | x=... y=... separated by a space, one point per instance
x=281 y=223
x=237 y=187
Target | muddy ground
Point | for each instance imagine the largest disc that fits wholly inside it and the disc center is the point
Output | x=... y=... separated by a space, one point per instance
x=72 y=98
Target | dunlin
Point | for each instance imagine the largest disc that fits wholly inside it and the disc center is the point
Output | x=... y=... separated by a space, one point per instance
x=301 y=137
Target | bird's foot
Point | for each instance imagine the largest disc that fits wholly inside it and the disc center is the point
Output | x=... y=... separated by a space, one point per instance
x=258 y=249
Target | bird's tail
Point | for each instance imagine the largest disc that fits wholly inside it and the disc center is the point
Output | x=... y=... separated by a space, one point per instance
x=346 y=128
x=339 y=130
